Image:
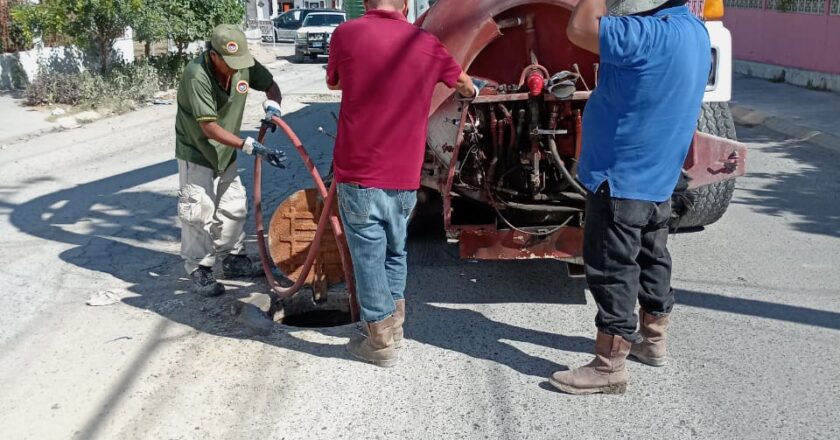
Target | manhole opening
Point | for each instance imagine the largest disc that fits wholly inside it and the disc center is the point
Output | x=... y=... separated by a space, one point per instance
x=317 y=319
x=303 y=311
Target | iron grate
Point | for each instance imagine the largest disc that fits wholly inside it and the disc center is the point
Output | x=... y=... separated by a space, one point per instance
x=815 y=7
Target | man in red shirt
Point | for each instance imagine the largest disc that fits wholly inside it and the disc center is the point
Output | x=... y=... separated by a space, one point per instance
x=387 y=70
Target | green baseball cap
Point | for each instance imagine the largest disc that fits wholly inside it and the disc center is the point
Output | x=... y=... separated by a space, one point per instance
x=229 y=41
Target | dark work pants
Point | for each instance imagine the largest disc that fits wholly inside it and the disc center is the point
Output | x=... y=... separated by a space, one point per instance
x=626 y=257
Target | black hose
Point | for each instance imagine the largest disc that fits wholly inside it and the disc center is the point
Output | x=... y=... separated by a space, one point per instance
x=552 y=145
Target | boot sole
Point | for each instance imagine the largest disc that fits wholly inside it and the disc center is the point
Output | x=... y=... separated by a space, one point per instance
x=651 y=362
x=618 y=388
x=384 y=363
x=210 y=292
x=235 y=276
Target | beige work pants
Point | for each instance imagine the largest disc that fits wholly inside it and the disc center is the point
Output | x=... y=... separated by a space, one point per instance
x=212 y=212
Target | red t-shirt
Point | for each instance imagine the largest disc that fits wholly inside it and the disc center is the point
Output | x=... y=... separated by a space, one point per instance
x=387 y=69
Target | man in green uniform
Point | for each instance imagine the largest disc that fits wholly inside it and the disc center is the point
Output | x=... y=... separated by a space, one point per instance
x=211 y=201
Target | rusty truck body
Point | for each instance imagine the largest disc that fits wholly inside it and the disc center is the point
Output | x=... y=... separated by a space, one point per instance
x=500 y=170
x=503 y=167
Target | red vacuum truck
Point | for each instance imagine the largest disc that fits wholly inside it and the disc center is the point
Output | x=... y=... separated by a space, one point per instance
x=501 y=169
x=504 y=165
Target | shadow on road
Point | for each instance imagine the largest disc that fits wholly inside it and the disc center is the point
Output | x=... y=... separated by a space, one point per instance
x=305 y=60
x=112 y=211
x=102 y=218
x=116 y=227
x=809 y=194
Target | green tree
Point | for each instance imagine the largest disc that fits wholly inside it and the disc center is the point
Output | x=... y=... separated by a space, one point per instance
x=93 y=23
x=150 y=24
x=30 y=20
x=99 y=22
x=185 y=21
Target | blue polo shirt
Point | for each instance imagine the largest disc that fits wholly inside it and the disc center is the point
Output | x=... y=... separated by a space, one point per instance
x=640 y=120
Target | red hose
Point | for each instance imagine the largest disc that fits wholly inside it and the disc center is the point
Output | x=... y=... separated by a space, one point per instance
x=329 y=214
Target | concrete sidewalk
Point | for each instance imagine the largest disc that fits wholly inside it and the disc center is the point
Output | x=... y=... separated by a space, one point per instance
x=793 y=111
x=20 y=121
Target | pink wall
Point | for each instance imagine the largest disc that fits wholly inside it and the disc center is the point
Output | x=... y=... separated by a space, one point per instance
x=809 y=42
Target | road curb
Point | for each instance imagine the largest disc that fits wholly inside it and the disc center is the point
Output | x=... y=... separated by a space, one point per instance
x=23 y=137
x=751 y=117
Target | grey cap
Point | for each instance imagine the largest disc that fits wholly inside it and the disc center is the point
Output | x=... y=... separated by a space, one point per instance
x=619 y=8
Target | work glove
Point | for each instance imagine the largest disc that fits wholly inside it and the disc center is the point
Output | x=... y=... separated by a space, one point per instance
x=271 y=108
x=477 y=86
x=562 y=84
x=275 y=158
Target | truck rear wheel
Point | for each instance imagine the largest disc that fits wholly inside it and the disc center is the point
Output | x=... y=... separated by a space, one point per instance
x=705 y=205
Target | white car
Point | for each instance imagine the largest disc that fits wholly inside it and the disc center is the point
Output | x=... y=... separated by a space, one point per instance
x=313 y=38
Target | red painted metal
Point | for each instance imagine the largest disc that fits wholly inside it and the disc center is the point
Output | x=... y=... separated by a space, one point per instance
x=536 y=83
x=713 y=159
x=534 y=32
x=450 y=175
x=566 y=244
x=468 y=28
x=470 y=32
x=484 y=99
x=530 y=71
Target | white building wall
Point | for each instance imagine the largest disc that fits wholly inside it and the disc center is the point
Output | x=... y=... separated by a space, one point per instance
x=12 y=65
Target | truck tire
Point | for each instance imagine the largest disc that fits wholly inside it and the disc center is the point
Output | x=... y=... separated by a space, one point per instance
x=705 y=205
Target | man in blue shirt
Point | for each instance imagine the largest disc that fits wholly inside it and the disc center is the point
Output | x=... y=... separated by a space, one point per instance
x=637 y=129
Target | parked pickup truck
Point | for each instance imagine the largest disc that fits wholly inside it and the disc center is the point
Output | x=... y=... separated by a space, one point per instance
x=313 y=38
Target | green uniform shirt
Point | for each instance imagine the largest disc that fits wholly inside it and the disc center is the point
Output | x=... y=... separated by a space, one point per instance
x=201 y=99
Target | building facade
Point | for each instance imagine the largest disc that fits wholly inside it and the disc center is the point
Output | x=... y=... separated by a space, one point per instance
x=798 y=34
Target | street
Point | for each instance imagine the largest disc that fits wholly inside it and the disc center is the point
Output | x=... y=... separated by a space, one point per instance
x=754 y=350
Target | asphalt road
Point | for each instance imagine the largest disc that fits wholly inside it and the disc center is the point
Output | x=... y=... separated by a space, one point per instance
x=754 y=342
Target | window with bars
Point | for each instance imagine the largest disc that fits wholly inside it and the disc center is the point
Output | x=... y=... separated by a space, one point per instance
x=835 y=7
x=798 y=6
x=744 y=4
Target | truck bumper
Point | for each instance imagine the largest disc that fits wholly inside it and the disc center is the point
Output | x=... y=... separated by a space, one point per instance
x=713 y=159
x=309 y=50
x=479 y=243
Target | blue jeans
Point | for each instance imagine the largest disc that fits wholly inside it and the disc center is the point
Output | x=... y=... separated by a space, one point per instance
x=375 y=223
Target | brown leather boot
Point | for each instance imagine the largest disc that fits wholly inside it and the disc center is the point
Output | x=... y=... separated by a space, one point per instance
x=378 y=347
x=399 y=319
x=605 y=374
x=652 y=351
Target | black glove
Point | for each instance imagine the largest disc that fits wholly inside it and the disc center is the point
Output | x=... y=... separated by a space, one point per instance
x=275 y=158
